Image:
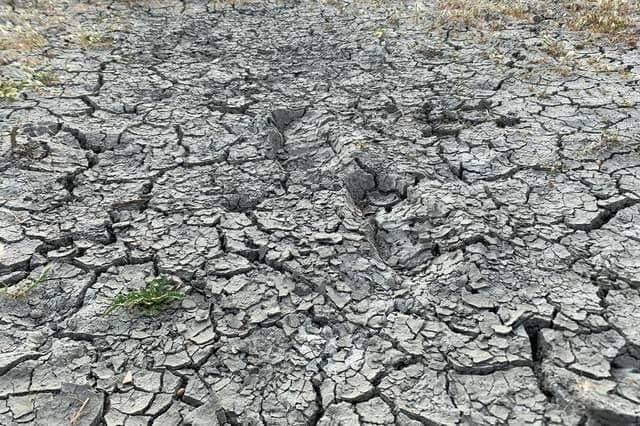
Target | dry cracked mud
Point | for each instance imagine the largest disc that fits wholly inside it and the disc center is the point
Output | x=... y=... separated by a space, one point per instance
x=375 y=222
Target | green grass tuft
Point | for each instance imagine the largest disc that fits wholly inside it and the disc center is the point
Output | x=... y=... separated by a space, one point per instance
x=10 y=89
x=158 y=292
x=31 y=79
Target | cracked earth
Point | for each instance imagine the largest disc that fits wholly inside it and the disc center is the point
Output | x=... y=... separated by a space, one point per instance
x=374 y=223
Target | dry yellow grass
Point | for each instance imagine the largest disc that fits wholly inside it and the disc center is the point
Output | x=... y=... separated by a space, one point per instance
x=95 y=39
x=612 y=17
x=22 y=37
x=553 y=47
x=28 y=286
x=479 y=12
x=30 y=29
x=617 y=19
x=23 y=27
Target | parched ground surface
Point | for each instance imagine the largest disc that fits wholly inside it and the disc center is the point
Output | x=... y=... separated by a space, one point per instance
x=376 y=221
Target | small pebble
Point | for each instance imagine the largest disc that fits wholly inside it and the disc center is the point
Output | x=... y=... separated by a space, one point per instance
x=36 y=313
x=188 y=304
x=502 y=329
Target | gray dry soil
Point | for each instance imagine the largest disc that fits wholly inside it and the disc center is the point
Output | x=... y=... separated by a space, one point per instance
x=373 y=227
